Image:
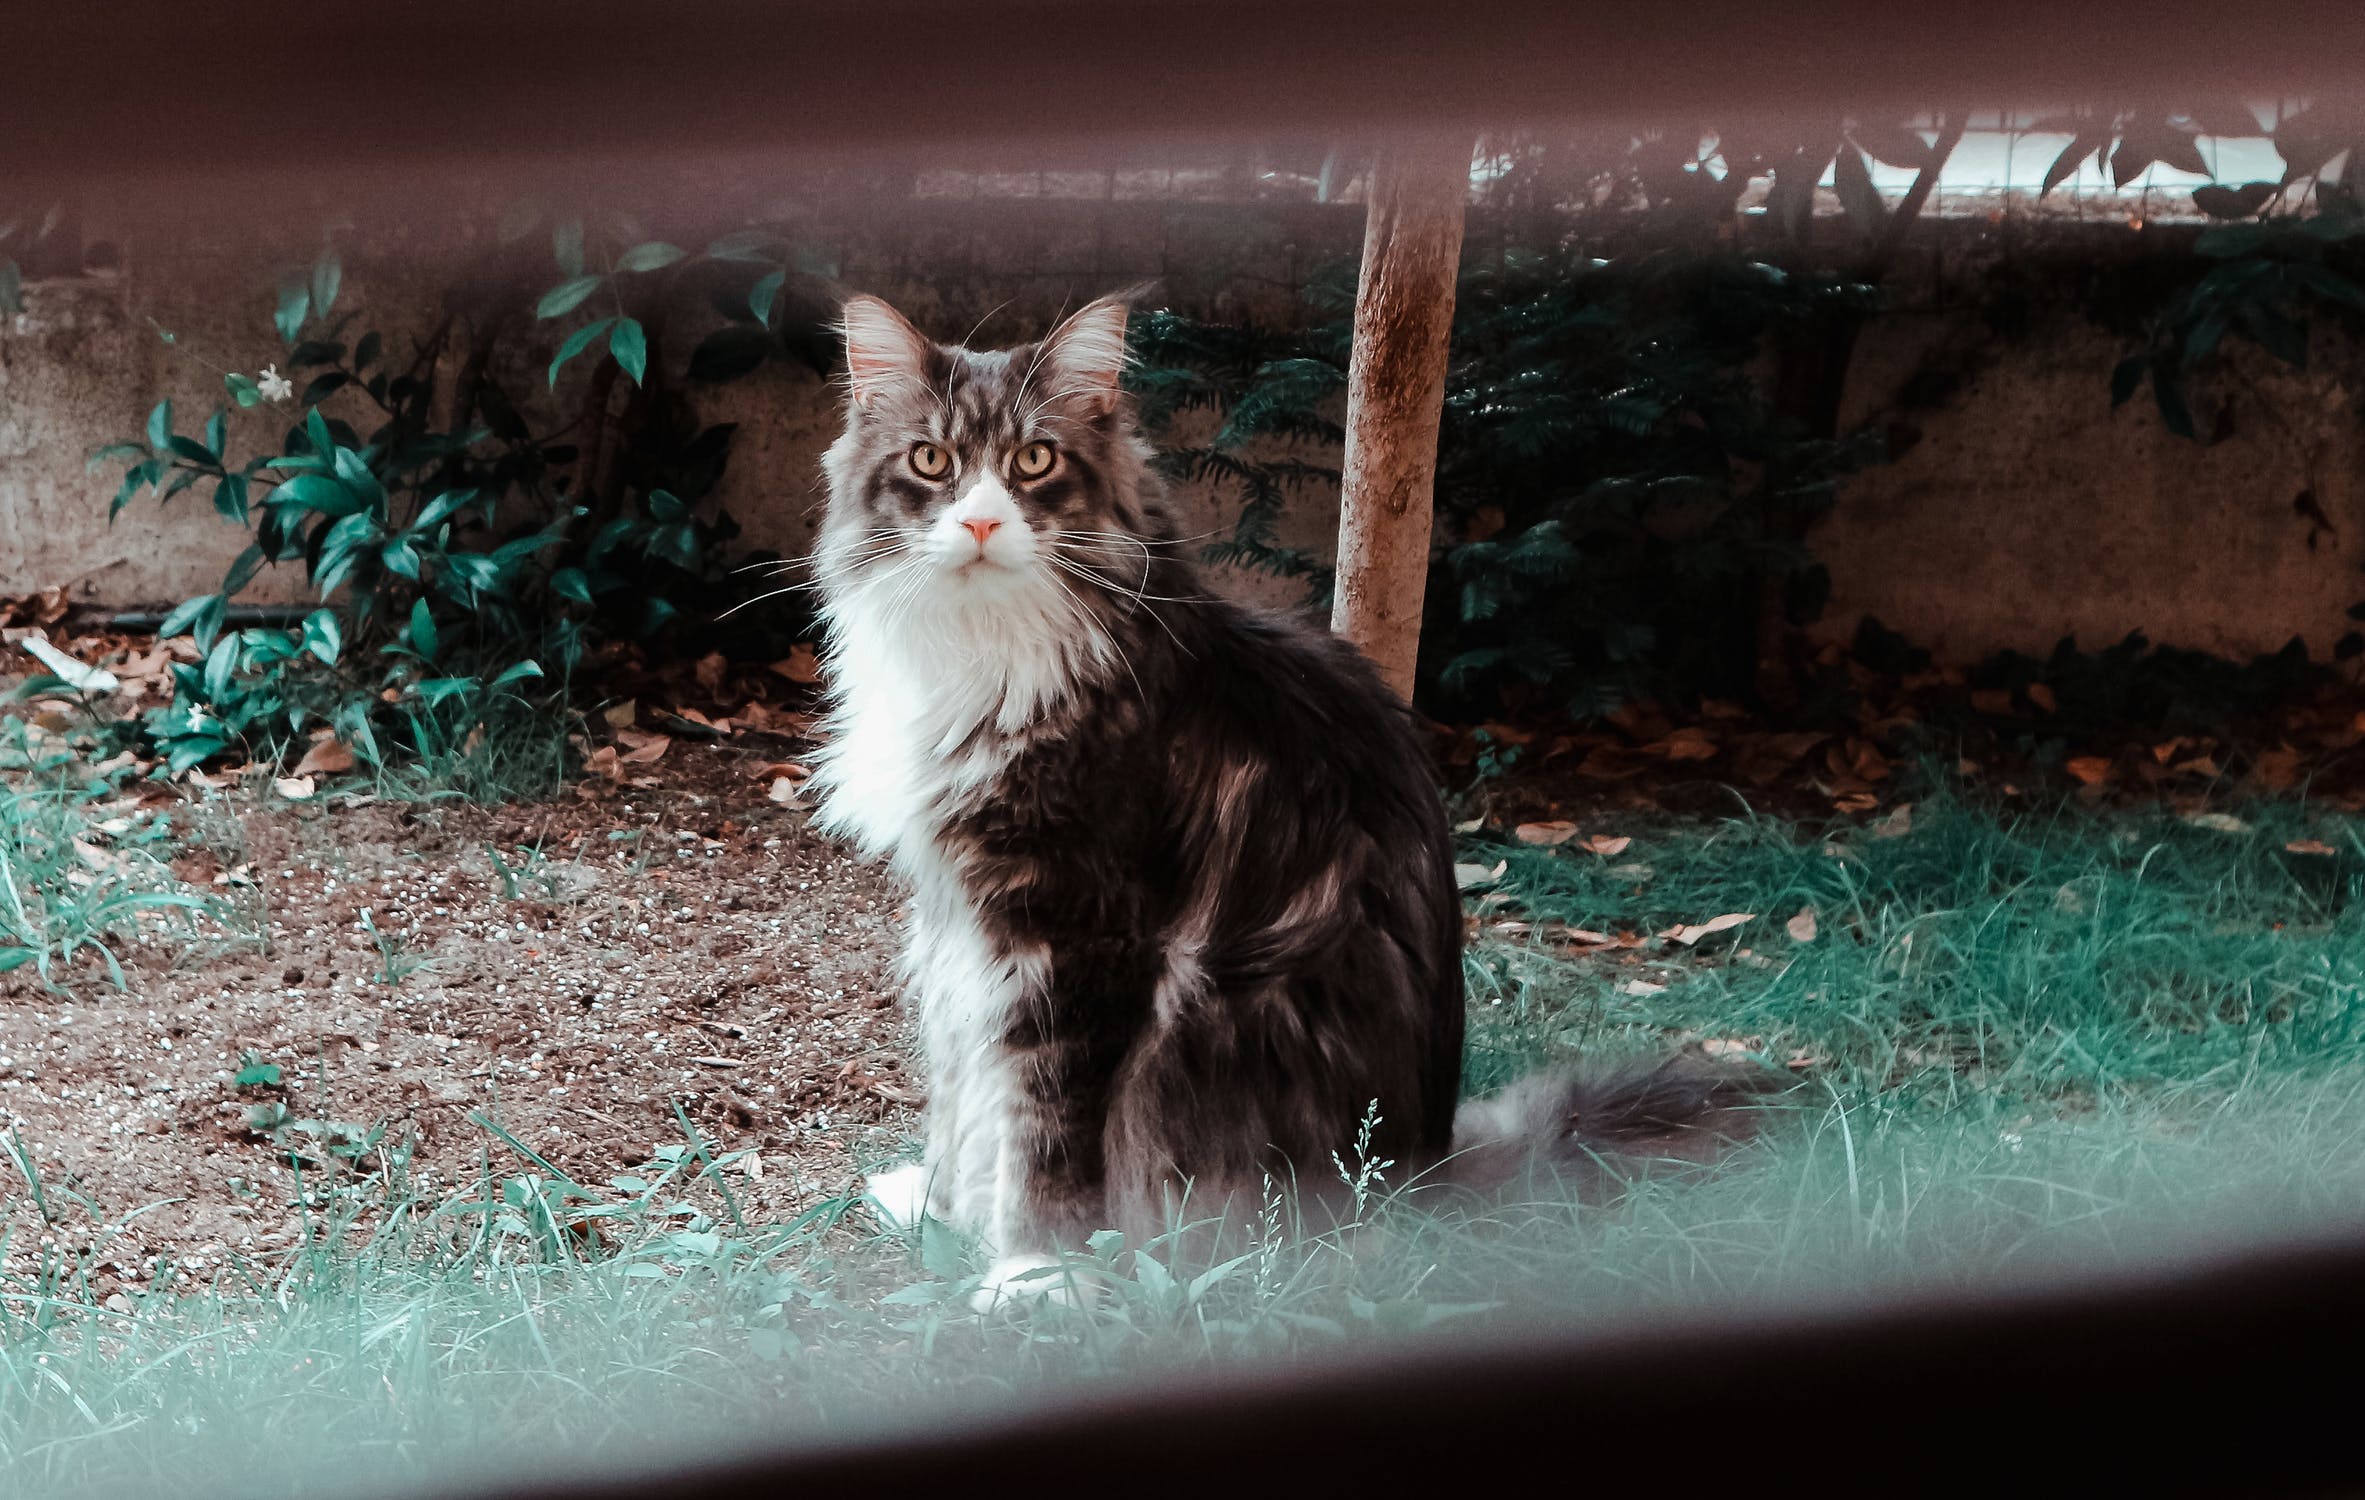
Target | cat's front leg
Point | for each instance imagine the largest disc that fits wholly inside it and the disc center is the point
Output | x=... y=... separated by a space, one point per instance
x=1064 y=1050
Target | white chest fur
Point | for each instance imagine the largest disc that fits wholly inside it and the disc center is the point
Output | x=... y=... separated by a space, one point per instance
x=931 y=694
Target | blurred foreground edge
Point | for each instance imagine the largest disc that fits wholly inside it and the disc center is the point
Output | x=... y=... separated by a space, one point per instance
x=2239 y=1377
x=150 y=86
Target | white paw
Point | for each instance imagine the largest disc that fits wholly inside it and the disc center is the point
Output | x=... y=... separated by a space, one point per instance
x=900 y=1194
x=1027 y=1278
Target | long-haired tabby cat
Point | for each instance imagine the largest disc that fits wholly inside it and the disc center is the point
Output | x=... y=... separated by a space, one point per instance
x=1183 y=903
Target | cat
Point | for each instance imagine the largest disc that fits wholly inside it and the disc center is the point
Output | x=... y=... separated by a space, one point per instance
x=1182 y=899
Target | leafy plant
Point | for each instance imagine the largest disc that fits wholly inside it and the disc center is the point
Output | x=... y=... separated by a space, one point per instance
x=1608 y=473
x=464 y=559
x=83 y=869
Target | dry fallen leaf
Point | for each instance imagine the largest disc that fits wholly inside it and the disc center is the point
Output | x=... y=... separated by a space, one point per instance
x=2277 y=770
x=618 y=715
x=784 y=792
x=641 y=747
x=328 y=756
x=2042 y=697
x=1992 y=701
x=1855 y=802
x=605 y=762
x=1730 y=1046
x=1897 y=824
x=1606 y=846
x=1641 y=987
x=1468 y=877
x=1546 y=834
x=1692 y=932
x=2092 y=770
x=1801 y=927
x=295 y=788
x=711 y=668
x=1687 y=743
x=800 y=665
x=2218 y=822
x=2310 y=846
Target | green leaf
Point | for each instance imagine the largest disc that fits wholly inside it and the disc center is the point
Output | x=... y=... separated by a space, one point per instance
x=2220 y=202
x=2073 y=155
x=353 y=471
x=1891 y=145
x=664 y=505
x=328 y=274
x=192 y=450
x=242 y=390
x=316 y=492
x=316 y=433
x=577 y=342
x=631 y=348
x=12 y=294
x=571 y=583
x=230 y=498
x=324 y=637
x=400 y=558
x=442 y=506
x=1858 y=198
x=221 y=666
x=160 y=425
x=16 y=958
x=422 y=631
x=256 y=1074
x=115 y=453
x=243 y=569
x=566 y=246
x=295 y=305
x=517 y=672
x=185 y=614
x=217 y=433
x=567 y=296
x=656 y=255
x=436 y=689
x=765 y=292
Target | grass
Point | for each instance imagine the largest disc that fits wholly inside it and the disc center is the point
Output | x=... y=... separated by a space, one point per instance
x=85 y=869
x=2028 y=1042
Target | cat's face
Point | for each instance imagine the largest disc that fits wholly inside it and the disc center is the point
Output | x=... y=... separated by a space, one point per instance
x=984 y=476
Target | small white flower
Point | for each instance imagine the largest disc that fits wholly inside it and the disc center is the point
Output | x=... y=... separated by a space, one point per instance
x=273 y=385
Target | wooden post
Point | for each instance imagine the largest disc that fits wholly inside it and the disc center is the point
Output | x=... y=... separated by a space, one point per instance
x=1412 y=248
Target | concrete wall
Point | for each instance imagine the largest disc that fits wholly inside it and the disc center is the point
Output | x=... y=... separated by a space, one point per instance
x=2027 y=510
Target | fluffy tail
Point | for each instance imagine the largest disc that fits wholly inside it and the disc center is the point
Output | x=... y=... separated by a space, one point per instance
x=1600 y=1124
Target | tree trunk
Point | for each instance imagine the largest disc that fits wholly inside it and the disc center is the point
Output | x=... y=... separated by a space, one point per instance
x=1412 y=247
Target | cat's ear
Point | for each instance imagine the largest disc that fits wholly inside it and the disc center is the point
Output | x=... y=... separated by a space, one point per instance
x=883 y=350
x=1087 y=352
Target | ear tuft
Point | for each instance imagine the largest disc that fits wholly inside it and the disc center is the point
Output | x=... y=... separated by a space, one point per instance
x=883 y=350
x=1088 y=354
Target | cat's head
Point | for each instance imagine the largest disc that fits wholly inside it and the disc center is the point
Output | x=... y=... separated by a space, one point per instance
x=987 y=476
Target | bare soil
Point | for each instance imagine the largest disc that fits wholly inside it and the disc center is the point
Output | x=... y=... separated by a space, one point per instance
x=571 y=970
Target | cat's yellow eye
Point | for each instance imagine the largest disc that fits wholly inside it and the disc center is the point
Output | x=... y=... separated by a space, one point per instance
x=930 y=461
x=1034 y=460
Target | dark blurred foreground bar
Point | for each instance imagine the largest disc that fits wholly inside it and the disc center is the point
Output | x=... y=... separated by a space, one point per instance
x=112 y=85
x=2238 y=1379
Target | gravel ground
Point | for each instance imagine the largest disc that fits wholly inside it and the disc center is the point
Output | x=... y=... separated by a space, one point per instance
x=570 y=970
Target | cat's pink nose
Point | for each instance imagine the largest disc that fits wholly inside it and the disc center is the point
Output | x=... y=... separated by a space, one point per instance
x=981 y=529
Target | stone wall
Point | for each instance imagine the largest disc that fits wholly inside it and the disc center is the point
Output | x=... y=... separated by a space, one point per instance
x=2027 y=509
